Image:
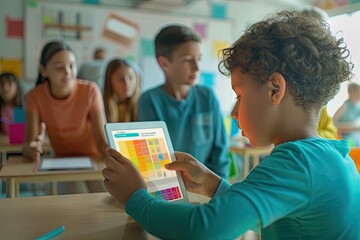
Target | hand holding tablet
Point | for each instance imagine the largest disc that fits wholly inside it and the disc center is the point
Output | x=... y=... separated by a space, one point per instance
x=147 y=145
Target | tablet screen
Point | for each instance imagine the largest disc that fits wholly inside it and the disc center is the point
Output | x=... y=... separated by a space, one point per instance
x=149 y=151
x=69 y=163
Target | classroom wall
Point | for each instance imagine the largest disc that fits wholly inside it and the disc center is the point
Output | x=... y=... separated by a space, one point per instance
x=10 y=47
x=241 y=14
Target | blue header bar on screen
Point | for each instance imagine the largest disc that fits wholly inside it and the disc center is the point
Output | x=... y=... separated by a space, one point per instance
x=124 y=135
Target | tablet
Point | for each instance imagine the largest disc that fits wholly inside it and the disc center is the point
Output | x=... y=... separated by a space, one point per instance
x=66 y=163
x=148 y=146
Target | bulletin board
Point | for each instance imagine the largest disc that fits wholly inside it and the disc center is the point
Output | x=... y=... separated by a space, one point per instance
x=86 y=27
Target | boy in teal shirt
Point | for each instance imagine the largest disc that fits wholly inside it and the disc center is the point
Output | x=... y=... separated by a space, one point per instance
x=283 y=70
x=191 y=112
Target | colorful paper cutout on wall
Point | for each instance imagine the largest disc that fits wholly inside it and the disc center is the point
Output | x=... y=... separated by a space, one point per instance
x=120 y=30
x=207 y=79
x=331 y=4
x=201 y=29
x=32 y=3
x=11 y=65
x=147 y=47
x=219 y=10
x=91 y=1
x=218 y=45
x=15 y=28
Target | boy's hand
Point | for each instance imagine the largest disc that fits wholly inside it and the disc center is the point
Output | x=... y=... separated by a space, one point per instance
x=197 y=178
x=35 y=147
x=122 y=178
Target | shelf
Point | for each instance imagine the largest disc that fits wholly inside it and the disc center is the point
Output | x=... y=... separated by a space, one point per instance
x=68 y=27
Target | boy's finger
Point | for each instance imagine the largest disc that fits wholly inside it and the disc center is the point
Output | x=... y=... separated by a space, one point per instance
x=177 y=166
x=117 y=156
x=111 y=162
x=108 y=174
x=182 y=156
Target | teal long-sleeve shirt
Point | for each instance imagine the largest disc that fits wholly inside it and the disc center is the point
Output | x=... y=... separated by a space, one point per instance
x=195 y=124
x=306 y=189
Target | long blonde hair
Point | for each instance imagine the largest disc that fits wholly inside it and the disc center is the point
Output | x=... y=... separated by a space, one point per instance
x=111 y=106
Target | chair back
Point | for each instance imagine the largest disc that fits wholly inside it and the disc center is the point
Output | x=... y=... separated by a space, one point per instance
x=355 y=155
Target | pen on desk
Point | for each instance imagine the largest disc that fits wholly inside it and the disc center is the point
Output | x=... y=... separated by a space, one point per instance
x=51 y=234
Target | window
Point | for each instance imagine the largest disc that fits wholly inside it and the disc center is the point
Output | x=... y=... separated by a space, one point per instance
x=347 y=26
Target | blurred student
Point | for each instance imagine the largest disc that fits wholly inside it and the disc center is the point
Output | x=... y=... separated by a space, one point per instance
x=93 y=70
x=70 y=110
x=10 y=97
x=349 y=112
x=191 y=112
x=121 y=90
x=283 y=70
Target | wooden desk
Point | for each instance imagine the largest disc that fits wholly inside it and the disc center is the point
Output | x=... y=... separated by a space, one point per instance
x=85 y=216
x=21 y=170
x=249 y=152
x=6 y=147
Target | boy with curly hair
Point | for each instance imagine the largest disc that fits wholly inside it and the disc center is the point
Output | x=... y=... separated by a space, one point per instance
x=283 y=70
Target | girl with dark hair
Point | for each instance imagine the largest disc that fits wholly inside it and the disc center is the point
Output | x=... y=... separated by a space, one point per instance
x=10 y=97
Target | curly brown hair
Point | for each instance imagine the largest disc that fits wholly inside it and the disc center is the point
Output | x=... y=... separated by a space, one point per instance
x=312 y=60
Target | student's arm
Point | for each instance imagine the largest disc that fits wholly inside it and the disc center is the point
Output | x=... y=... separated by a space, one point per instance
x=338 y=114
x=98 y=122
x=268 y=194
x=196 y=176
x=97 y=116
x=181 y=221
x=34 y=137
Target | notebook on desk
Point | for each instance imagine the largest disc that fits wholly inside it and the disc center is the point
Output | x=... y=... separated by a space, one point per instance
x=65 y=163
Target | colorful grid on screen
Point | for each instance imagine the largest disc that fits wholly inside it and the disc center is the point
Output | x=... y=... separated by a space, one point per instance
x=149 y=156
x=168 y=194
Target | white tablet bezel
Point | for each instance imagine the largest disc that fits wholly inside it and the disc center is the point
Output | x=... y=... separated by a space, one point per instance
x=110 y=127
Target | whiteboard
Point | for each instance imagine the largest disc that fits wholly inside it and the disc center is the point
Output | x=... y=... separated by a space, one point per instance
x=96 y=17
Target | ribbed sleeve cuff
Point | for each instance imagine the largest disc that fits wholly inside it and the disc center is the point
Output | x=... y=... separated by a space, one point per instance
x=223 y=187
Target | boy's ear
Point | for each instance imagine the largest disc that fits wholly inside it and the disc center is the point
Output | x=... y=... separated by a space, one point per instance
x=277 y=87
x=163 y=62
x=43 y=71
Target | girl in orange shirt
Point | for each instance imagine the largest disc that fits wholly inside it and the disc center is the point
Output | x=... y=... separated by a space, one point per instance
x=70 y=110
